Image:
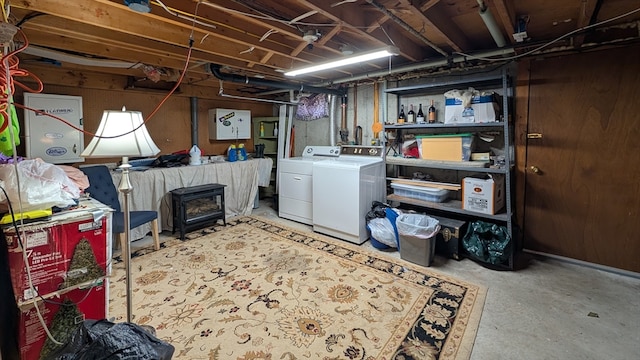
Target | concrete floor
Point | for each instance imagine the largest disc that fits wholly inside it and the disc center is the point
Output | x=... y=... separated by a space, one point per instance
x=550 y=309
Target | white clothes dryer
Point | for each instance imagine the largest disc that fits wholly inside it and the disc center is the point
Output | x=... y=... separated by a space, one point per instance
x=295 y=182
x=344 y=189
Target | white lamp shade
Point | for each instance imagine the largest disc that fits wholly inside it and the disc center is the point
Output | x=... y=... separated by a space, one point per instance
x=109 y=140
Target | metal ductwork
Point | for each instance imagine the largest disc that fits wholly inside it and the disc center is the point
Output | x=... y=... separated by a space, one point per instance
x=215 y=70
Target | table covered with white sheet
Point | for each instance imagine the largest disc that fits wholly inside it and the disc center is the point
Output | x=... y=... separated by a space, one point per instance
x=151 y=188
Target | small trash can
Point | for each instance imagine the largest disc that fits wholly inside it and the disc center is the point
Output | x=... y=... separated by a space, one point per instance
x=417 y=235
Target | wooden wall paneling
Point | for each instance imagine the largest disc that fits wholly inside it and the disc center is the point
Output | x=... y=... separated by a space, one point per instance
x=520 y=136
x=584 y=201
x=170 y=127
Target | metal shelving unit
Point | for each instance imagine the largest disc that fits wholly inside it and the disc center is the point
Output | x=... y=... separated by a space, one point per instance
x=498 y=80
x=270 y=143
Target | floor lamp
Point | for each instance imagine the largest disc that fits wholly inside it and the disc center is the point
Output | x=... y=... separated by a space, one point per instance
x=122 y=133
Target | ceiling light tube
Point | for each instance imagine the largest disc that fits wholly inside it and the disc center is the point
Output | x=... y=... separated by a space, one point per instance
x=354 y=59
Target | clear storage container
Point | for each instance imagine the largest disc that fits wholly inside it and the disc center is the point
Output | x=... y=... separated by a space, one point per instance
x=420 y=192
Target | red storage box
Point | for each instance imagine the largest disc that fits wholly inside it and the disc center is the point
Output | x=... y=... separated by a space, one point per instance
x=59 y=256
x=61 y=320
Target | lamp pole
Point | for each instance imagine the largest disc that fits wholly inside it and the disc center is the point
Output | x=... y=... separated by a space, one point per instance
x=125 y=188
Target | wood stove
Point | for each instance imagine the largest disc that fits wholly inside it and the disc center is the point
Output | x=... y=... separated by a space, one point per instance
x=196 y=206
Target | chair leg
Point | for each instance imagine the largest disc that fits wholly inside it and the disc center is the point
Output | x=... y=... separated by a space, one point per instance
x=155 y=234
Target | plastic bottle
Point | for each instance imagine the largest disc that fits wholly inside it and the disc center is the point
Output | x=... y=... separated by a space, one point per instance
x=242 y=153
x=275 y=130
x=261 y=129
x=232 y=153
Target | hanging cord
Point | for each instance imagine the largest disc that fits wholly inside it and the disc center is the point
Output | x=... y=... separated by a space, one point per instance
x=11 y=70
x=147 y=118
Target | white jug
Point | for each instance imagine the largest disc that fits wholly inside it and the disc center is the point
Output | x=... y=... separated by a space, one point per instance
x=194 y=156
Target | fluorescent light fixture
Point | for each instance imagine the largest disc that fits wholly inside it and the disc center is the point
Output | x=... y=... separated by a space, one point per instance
x=354 y=59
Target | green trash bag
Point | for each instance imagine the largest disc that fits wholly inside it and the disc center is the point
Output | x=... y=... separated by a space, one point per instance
x=487 y=242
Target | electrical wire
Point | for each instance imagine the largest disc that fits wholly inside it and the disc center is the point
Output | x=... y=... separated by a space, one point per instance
x=550 y=42
x=10 y=67
x=271 y=18
x=147 y=118
x=181 y=16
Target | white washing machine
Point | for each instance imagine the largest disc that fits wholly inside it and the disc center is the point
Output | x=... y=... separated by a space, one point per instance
x=295 y=182
x=343 y=190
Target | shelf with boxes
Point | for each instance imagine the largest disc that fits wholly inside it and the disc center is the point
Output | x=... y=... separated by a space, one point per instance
x=265 y=140
x=459 y=166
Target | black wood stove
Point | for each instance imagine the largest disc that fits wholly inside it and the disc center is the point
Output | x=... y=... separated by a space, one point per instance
x=197 y=206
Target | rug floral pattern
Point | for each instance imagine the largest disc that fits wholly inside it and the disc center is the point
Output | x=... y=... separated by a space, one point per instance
x=254 y=289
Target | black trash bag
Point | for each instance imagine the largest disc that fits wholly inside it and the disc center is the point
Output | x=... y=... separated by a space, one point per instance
x=378 y=210
x=487 y=242
x=102 y=339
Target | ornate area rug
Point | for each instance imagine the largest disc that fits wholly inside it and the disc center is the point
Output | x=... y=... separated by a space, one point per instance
x=258 y=290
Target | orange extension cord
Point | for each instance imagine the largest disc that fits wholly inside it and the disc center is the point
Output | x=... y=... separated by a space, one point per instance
x=10 y=70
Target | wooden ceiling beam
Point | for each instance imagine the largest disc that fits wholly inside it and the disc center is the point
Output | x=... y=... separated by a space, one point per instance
x=429 y=22
x=108 y=48
x=234 y=17
x=119 y=19
x=586 y=12
x=351 y=16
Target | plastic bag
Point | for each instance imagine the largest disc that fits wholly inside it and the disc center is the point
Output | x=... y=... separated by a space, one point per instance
x=382 y=230
x=417 y=225
x=487 y=242
x=42 y=186
x=102 y=339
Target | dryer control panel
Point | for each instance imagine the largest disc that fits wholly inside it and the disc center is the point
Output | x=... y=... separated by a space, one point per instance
x=355 y=150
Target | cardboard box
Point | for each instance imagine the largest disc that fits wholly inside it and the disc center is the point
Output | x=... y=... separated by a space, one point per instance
x=483 y=195
x=59 y=256
x=446 y=147
x=449 y=238
x=79 y=304
x=483 y=109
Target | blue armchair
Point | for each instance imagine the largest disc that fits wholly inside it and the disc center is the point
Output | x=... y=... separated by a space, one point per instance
x=101 y=188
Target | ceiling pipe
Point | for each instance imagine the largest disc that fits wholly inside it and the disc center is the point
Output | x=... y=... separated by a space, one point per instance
x=490 y=23
x=194 y=120
x=406 y=26
x=80 y=60
x=419 y=66
x=215 y=70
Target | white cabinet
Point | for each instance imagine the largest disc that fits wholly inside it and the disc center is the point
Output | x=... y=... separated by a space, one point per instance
x=229 y=124
x=51 y=139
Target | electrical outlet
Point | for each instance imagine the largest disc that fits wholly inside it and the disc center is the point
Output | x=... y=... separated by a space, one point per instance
x=520 y=37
